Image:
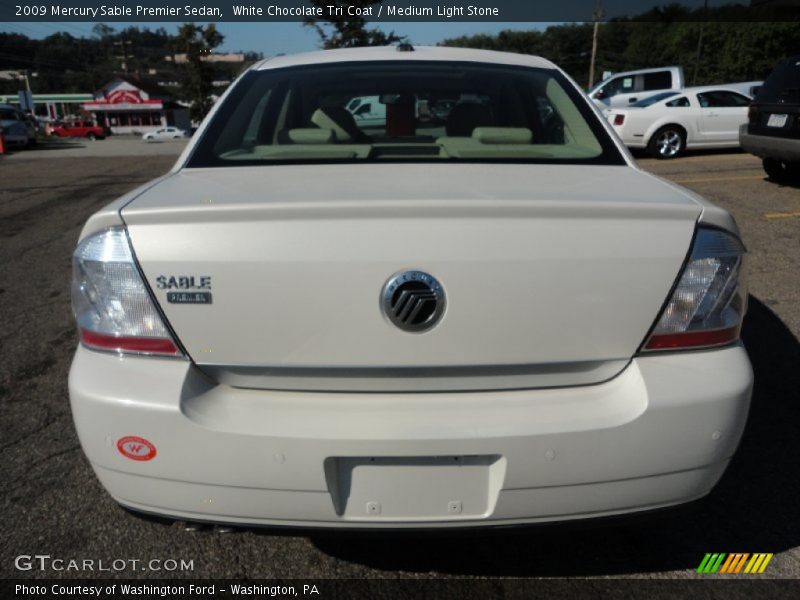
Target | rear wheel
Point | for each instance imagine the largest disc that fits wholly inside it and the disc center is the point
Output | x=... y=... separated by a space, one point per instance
x=781 y=171
x=91 y=136
x=667 y=142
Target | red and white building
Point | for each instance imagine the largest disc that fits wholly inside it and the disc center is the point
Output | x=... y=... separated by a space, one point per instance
x=130 y=106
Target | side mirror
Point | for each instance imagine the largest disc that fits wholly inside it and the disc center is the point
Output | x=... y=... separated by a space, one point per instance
x=600 y=94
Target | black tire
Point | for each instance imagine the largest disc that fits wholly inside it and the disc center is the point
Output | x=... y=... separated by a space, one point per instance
x=668 y=142
x=780 y=171
x=91 y=136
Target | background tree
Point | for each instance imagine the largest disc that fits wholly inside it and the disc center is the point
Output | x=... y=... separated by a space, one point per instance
x=103 y=31
x=198 y=74
x=346 y=31
x=732 y=50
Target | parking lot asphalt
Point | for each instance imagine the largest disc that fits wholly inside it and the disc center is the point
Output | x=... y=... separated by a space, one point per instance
x=52 y=504
x=119 y=145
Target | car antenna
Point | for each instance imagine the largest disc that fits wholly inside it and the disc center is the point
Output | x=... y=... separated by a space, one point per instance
x=405 y=47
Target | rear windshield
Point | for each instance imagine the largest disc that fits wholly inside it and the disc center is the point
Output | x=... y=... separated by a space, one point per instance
x=653 y=99
x=404 y=111
x=783 y=84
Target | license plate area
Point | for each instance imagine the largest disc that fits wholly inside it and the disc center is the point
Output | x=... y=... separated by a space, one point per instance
x=777 y=120
x=414 y=488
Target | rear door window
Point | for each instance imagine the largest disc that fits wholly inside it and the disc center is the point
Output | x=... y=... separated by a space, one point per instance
x=722 y=99
x=660 y=80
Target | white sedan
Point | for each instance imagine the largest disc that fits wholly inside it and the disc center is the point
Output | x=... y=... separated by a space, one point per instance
x=497 y=319
x=694 y=118
x=165 y=133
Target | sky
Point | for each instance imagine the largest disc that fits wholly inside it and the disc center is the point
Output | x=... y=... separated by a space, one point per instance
x=275 y=38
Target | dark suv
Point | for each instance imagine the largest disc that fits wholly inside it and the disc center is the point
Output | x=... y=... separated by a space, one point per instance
x=773 y=128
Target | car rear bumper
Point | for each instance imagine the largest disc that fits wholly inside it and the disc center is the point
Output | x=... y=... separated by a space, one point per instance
x=763 y=146
x=660 y=433
x=15 y=140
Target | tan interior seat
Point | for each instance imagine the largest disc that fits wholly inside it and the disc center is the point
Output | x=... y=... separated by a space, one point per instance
x=306 y=135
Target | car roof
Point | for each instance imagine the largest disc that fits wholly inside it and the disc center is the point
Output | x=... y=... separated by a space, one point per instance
x=710 y=88
x=391 y=53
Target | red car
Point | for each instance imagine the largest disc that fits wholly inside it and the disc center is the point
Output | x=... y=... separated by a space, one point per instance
x=85 y=129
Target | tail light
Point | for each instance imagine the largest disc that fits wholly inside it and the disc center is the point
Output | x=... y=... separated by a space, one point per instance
x=752 y=113
x=619 y=120
x=110 y=301
x=709 y=301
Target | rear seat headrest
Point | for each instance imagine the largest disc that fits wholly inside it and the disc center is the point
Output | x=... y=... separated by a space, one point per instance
x=502 y=135
x=465 y=117
x=310 y=135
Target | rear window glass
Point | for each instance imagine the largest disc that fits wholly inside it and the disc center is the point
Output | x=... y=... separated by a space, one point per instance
x=681 y=102
x=404 y=111
x=783 y=84
x=653 y=99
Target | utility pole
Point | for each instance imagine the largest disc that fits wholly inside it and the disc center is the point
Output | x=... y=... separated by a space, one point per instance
x=699 y=44
x=124 y=45
x=29 y=93
x=597 y=16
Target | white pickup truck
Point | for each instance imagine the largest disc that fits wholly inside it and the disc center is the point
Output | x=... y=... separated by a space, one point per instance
x=619 y=90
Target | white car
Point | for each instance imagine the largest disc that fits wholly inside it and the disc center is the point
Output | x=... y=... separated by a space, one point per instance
x=694 y=118
x=498 y=320
x=165 y=133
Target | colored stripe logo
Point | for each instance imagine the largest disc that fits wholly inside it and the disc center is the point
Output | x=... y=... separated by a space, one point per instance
x=734 y=563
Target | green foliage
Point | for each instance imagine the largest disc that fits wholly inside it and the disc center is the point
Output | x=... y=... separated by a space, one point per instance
x=196 y=43
x=63 y=63
x=348 y=31
x=731 y=50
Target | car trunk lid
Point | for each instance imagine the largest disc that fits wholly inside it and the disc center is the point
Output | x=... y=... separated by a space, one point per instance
x=553 y=274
